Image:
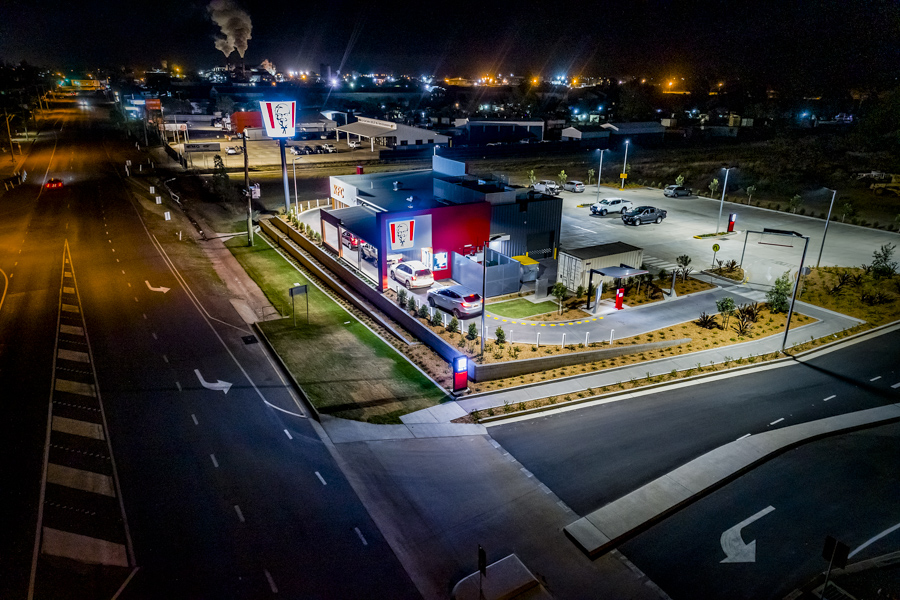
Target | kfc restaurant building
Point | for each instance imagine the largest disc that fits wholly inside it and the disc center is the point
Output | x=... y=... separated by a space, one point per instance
x=383 y=218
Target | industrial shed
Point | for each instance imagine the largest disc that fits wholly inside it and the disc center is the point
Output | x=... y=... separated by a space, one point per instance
x=575 y=265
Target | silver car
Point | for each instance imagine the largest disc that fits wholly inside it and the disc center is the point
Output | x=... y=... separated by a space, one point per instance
x=460 y=301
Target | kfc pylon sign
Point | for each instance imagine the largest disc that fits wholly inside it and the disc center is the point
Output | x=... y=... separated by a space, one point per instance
x=279 y=118
x=402 y=234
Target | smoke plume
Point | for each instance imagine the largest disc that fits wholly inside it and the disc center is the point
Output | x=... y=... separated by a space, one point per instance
x=234 y=23
x=268 y=66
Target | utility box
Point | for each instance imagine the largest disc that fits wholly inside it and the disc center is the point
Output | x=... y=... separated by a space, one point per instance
x=575 y=265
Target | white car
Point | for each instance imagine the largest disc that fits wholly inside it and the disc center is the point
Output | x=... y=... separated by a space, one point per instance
x=573 y=186
x=329 y=148
x=611 y=205
x=354 y=144
x=232 y=150
x=546 y=186
x=412 y=274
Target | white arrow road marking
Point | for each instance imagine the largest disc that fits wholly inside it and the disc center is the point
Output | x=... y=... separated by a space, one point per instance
x=736 y=551
x=769 y=274
x=219 y=385
x=159 y=289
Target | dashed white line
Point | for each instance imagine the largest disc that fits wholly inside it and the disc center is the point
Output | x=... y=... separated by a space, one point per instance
x=320 y=478
x=215 y=462
x=746 y=435
x=875 y=378
x=145 y=316
x=359 y=533
x=240 y=515
x=135 y=299
x=194 y=417
x=271 y=581
x=178 y=385
x=896 y=385
x=153 y=333
x=288 y=433
x=831 y=397
x=778 y=421
x=129 y=285
x=123 y=271
x=165 y=358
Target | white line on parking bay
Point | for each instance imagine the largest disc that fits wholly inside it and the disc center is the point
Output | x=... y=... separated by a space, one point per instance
x=875 y=378
x=320 y=478
x=831 y=397
x=194 y=417
x=778 y=421
x=359 y=533
x=746 y=435
x=271 y=581
x=896 y=385
x=288 y=433
x=240 y=515
x=214 y=461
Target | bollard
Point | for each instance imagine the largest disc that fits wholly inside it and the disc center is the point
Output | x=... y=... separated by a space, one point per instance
x=563 y=345
x=611 y=331
x=538 y=342
x=179 y=236
x=510 y=336
x=586 y=336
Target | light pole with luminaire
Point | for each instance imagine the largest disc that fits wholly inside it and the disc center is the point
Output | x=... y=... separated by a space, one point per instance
x=722 y=201
x=296 y=199
x=625 y=166
x=600 y=174
x=824 y=233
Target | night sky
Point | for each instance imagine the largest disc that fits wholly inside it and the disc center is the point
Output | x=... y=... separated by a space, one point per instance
x=841 y=43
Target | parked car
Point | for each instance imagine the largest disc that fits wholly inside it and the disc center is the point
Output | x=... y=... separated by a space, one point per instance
x=329 y=148
x=573 y=186
x=673 y=191
x=610 y=205
x=412 y=274
x=546 y=186
x=350 y=240
x=318 y=150
x=297 y=151
x=233 y=150
x=354 y=144
x=456 y=299
x=643 y=214
x=307 y=150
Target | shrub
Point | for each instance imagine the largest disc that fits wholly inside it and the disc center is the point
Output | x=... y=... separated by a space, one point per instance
x=423 y=311
x=778 y=298
x=401 y=297
x=473 y=331
x=437 y=318
x=461 y=343
x=411 y=304
x=500 y=335
x=453 y=327
x=707 y=321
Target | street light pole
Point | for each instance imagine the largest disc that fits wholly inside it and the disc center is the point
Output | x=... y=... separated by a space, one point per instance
x=296 y=199
x=787 y=326
x=600 y=174
x=722 y=201
x=824 y=233
x=625 y=166
x=483 y=291
x=287 y=193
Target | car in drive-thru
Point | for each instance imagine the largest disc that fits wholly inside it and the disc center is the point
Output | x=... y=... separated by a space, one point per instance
x=643 y=214
x=610 y=205
x=350 y=240
x=573 y=186
x=412 y=274
x=460 y=301
x=673 y=191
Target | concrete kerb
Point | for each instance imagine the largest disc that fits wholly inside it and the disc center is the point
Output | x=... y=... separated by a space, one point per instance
x=730 y=372
x=290 y=376
x=622 y=519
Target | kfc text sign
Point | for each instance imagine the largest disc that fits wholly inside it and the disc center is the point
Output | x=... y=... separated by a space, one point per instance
x=278 y=117
x=402 y=234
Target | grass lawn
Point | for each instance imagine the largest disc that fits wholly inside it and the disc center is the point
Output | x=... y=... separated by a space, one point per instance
x=346 y=370
x=520 y=309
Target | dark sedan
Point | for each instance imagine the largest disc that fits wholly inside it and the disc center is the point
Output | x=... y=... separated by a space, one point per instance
x=642 y=215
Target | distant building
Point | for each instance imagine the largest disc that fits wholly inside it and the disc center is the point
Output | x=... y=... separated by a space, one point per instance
x=390 y=134
x=487 y=131
x=647 y=133
x=585 y=132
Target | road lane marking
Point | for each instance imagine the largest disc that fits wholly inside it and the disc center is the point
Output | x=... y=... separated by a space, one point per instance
x=80 y=479
x=359 y=533
x=178 y=385
x=73 y=355
x=135 y=299
x=71 y=330
x=194 y=417
x=75 y=387
x=129 y=285
x=778 y=421
x=896 y=385
x=831 y=397
x=123 y=271
x=271 y=581
x=746 y=435
x=875 y=378
x=875 y=539
x=76 y=427
x=145 y=316
x=288 y=433
x=320 y=478
x=83 y=548
x=154 y=335
x=240 y=515
x=214 y=461
x=165 y=358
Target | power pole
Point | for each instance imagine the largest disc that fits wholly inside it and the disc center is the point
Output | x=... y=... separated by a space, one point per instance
x=12 y=154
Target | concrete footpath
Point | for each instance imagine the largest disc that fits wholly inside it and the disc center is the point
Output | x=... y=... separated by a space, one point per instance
x=611 y=525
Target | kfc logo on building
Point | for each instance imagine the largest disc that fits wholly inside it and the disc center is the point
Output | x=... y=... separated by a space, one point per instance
x=402 y=234
x=337 y=191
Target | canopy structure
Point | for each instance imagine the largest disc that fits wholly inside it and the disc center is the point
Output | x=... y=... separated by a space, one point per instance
x=615 y=272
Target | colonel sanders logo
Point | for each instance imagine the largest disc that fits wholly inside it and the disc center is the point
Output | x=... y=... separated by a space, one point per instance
x=402 y=234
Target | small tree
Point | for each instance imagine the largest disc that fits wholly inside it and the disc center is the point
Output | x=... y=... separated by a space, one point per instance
x=579 y=292
x=591 y=176
x=559 y=292
x=411 y=304
x=500 y=335
x=679 y=180
x=453 y=327
x=751 y=189
x=847 y=210
x=795 y=203
x=423 y=311
x=726 y=307
x=882 y=265
x=778 y=298
x=713 y=187
x=531 y=177
x=663 y=275
x=437 y=318
x=401 y=297
x=684 y=261
x=473 y=331
x=562 y=177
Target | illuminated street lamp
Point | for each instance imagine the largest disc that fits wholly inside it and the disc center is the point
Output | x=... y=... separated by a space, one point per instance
x=722 y=201
x=824 y=233
x=625 y=166
x=600 y=174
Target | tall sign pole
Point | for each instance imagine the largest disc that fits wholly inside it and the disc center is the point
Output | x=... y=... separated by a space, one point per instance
x=280 y=121
x=247 y=190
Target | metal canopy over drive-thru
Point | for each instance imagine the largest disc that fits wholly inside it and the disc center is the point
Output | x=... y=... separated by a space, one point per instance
x=620 y=272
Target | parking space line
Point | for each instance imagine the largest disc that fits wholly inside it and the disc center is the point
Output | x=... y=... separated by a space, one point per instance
x=896 y=385
x=875 y=378
x=320 y=478
x=288 y=433
x=359 y=533
x=777 y=421
x=831 y=397
x=240 y=515
x=214 y=461
x=194 y=417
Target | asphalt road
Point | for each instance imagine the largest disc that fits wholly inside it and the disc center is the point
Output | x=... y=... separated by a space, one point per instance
x=846 y=487
x=594 y=455
x=224 y=496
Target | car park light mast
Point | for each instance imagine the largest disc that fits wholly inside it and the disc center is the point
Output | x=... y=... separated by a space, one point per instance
x=824 y=233
x=600 y=174
x=722 y=201
x=624 y=166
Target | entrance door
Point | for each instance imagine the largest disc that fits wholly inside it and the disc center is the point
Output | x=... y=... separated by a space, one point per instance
x=428 y=257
